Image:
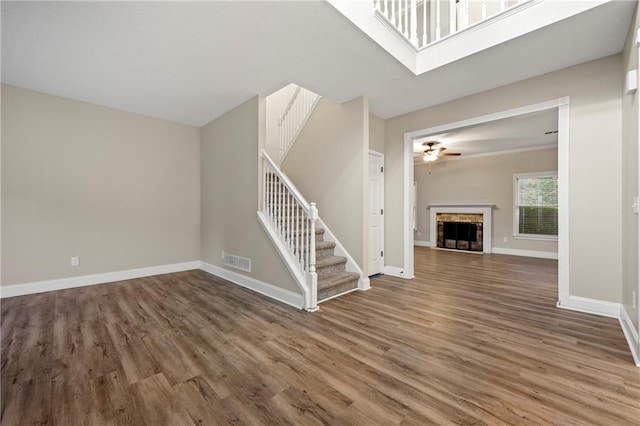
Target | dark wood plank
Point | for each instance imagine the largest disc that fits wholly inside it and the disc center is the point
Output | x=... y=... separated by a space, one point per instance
x=473 y=339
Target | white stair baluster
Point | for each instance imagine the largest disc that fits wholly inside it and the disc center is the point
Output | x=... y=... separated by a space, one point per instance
x=438 y=29
x=414 y=23
x=453 y=6
x=424 y=23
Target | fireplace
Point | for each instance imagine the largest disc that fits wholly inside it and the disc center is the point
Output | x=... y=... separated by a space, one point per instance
x=460 y=231
x=465 y=227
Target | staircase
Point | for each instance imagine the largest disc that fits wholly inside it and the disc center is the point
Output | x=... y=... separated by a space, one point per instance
x=320 y=265
x=333 y=278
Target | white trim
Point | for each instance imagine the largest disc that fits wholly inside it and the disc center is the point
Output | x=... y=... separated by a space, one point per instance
x=339 y=250
x=591 y=306
x=422 y=243
x=419 y=161
x=526 y=253
x=286 y=257
x=630 y=334
x=94 y=279
x=394 y=271
x=381 y=155
x=487 y=221
x=285 y=296
x=563 y=105
x=339 y=294
x=408 y=207
x=422 y=133
x=516 y=211
x=563 y=198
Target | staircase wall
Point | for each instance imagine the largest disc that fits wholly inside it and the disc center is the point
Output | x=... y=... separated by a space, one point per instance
x=230 y=182
x=630 y=180
x=329 y=165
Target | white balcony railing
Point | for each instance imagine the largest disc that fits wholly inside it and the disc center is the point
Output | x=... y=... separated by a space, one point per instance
x=423 y=22
x=294 y=118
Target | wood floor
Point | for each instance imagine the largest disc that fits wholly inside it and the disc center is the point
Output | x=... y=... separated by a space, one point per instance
x=474 y=339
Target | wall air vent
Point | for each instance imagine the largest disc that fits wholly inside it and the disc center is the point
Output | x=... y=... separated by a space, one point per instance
x=237 y=262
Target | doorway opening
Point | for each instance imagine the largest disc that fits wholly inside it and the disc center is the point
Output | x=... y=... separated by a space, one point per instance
x=561 y=107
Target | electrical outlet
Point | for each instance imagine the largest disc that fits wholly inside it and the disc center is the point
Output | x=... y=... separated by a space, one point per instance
x=505 y=239
x=75 y=261
x=222 y=255
x=633 y=299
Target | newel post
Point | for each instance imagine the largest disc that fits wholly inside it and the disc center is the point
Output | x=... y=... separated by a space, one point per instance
x=313 y=276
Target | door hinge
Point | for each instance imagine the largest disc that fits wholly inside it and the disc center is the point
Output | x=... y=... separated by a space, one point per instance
x=381 y=169
x=381 y=211
x=381 y=254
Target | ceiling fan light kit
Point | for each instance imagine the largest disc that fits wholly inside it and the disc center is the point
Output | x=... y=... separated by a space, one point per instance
x=431 y=154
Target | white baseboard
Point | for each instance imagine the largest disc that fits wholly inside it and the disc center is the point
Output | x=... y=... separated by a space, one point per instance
x=591 y=306
x=269 y=290
x=525 y=253
x=364 y=284
x=394 y=271
x=86 y=280
x=630 y=334
x=422 y=243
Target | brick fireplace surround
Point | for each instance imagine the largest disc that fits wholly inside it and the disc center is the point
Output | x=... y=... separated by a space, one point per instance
x=461 y=213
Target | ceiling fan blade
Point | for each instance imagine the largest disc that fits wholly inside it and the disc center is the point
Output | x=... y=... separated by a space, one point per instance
x=452 y=154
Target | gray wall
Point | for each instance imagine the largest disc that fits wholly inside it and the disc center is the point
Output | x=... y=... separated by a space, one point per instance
x=482 y=180
x=376 y=133
x=630 y=180
x=595 y=161
x=329 y=165
x=229 y=157
x=119 y=190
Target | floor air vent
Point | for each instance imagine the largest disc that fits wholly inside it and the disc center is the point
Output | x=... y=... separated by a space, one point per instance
x=242 y=263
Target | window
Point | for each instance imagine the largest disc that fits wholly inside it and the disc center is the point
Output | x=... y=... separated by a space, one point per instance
x=536 y=205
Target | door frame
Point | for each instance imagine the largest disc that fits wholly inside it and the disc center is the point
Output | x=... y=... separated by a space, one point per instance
x=381 y=155
x=563 y=107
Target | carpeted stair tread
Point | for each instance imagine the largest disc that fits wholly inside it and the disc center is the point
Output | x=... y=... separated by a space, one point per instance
x=330 y=261
x=342 y=278
x=325 y=245
x=337 y=285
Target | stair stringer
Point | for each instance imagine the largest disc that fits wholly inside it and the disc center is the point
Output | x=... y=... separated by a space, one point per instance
x=351 y=266
x=289 y=261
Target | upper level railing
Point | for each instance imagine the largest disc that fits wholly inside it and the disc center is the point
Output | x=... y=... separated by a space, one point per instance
x=423 y=22
x=293 y=119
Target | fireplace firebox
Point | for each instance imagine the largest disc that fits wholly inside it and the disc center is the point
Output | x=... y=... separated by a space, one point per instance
x=460 y=233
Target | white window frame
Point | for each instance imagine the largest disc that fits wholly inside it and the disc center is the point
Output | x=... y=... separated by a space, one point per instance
x=516 y=211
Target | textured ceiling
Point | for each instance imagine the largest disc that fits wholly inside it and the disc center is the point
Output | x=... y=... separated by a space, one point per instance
x=190 y=62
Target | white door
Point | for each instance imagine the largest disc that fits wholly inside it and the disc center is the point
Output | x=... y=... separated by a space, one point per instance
x=376 y=213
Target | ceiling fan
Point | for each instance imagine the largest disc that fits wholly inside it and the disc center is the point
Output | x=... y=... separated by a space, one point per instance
x=431 y=154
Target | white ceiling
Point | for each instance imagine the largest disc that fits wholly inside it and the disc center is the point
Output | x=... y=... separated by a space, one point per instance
x=190 y=62
x=523 y=132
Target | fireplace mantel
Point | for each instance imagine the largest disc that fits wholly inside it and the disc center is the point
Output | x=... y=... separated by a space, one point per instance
x=429 y=206
x=485 y=209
